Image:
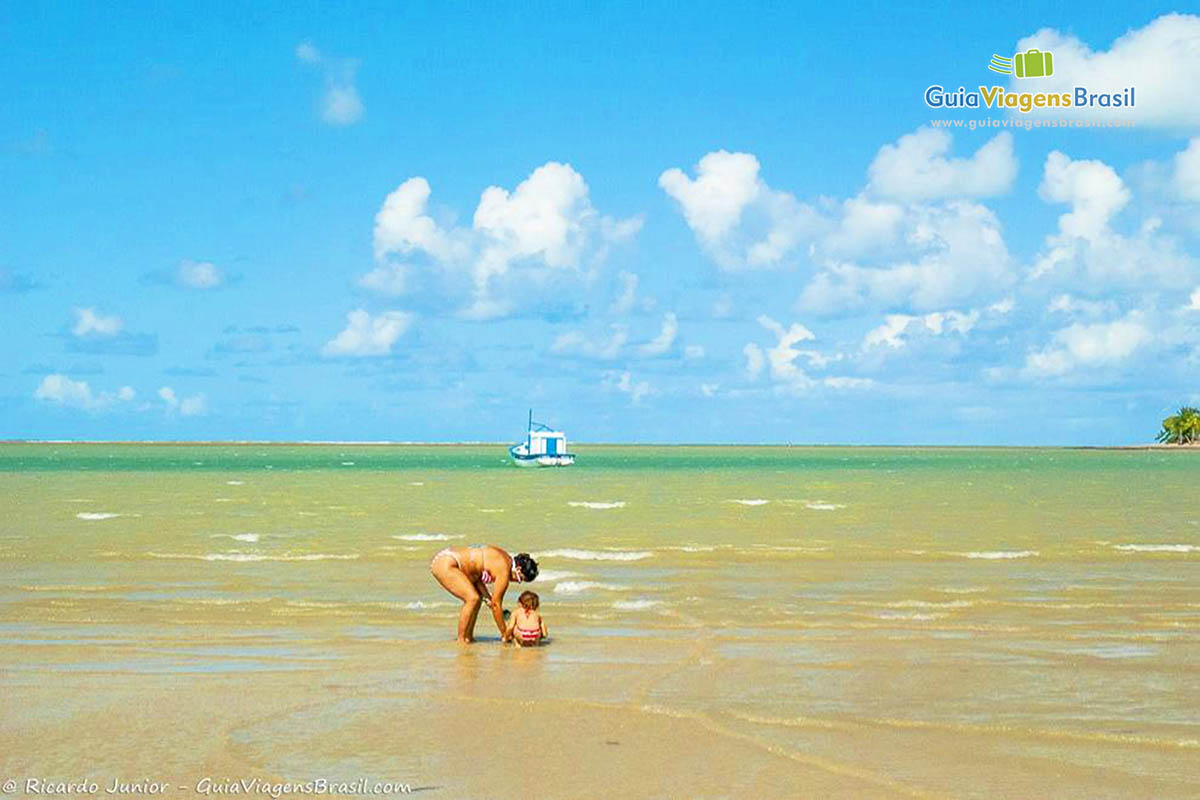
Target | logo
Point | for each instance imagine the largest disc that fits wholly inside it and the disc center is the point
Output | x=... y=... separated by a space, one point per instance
x=1033 y=63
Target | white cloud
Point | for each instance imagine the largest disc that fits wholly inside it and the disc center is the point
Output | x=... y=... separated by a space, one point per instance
x=917 y=168
x=390 y=280
x=709 y=389
x=60 y=390
x=1095 y=345
x=402 y=225
x=737 y=218
x=1186 y=175
x=367 y=335
x=340 y=103
x=198 y=275
x=666 y=337
x=628 y=297
x=1075 y=306
x=693 y=352
x=713 y=203
x=1092 y=188
x=781 y=359
x=577 y=342
x=546 y=225
x=308 y=53
x=897 y=328
x=89 y=323
x=754 y=360
x=184 y=406
x=955 y=253
x=624 y=382
x=1161 y=60
x=1195 y=300
x=1086 y=251
x=865 y=226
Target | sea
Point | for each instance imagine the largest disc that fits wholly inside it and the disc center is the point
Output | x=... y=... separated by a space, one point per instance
x=958 y=622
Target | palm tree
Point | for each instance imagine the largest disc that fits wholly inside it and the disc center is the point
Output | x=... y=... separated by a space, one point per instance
x=1181 y=428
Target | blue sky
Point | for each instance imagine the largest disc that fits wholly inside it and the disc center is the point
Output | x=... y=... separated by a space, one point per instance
x=649 y=223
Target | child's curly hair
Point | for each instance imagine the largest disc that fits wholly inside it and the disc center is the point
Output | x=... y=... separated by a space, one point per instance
x=528 y=600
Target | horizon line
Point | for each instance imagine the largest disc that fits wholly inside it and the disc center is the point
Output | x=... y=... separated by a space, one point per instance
x=479 y=443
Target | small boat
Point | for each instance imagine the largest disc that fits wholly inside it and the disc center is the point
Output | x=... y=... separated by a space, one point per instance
x=542 y=447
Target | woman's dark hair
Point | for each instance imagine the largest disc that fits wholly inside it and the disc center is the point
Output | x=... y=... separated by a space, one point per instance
x=528 y=600
x=527 y=566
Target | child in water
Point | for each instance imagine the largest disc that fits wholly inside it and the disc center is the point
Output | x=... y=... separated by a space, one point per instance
x=526 y=626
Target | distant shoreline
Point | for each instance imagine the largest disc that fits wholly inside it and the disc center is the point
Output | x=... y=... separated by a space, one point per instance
x=347 y=443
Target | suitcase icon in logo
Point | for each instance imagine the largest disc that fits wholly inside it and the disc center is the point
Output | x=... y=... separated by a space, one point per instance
x=1033 y=63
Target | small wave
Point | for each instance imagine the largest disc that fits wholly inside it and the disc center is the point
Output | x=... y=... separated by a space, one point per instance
x=690 y=548
x=575 y=587
x=491 y=511
x=258 y=556
x=95 y=515
x=598 y=555
x=68 y=588
x=596 y=505
x=819 y=506
x=548 y=575
x=753 y=502
x=238 y=537
x=995 y=554
x=427 y=537
x=960 y=590
x=416 y=483
x=928 y=604
x=347 y=463
x=635 y=605
x=909 y=617
x=1156 y=548
x=235 y=483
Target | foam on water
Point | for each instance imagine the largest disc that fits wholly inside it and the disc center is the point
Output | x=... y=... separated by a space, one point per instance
x=575 y=587
x=635 y=605
x=95 y=515
x=347 y=463
x=550 y=575
x=752 y=502
x=929 y=604
x=258 y=556
x=820 y=506
x=238 y=537
x=491 y=511
x=235 y=483
x=597 y=555
x=1156 y=548
x=998 y=554
x=904 y=616
x=597 y=506
x=427 y=537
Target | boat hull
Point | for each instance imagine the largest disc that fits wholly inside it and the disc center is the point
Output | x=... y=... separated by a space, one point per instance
x=522 y=459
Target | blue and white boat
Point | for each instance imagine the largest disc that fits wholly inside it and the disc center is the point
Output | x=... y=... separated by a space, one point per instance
x=542 y=447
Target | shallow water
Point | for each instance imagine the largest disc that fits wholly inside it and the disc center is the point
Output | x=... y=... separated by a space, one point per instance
x=1034 y=613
